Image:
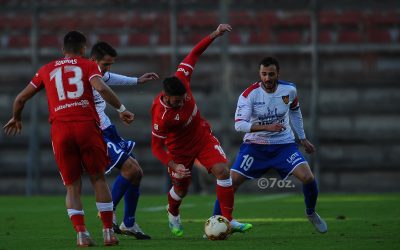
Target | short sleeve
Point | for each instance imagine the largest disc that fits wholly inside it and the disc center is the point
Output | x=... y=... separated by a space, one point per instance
x=37 y=80
x=94 y=70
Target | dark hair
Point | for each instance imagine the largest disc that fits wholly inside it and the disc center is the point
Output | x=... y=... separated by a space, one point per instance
x=74 y=41
x=101 y=49
x=267 y=61
x=173 y=86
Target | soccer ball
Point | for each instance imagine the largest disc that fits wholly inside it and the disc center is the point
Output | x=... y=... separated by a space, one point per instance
x=217 y=227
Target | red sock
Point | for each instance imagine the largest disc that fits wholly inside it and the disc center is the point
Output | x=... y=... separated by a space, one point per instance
x=106 y=218
x=79 y=222
x=173 y=205
x=226 y=199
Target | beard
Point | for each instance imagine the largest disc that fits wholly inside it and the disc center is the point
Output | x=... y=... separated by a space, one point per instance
x=271 y=85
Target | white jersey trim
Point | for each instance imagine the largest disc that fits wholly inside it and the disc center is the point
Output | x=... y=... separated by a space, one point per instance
x=159 y=136
x=188 y=65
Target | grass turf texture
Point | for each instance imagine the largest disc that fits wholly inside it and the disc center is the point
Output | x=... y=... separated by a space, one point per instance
x=354 y=221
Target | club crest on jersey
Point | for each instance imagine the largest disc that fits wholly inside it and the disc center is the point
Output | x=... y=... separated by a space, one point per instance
x=155 y=126
x=285 y=99
x=176 y=117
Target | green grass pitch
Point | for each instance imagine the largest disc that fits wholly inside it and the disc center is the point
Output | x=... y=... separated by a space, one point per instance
x=365 y=221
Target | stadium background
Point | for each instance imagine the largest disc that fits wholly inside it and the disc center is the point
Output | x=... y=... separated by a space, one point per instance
x=343 y=55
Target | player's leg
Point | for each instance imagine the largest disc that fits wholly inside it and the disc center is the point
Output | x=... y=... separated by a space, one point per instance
x=132 y=171
x=178 y=191
x=310 y=191
x=95 y=160
x=237 y=180
x=66 y=153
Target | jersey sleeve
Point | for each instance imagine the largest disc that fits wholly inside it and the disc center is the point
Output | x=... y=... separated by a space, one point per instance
x=186 y=67
x=296 y=118
x=243 y=114
x=294 y=104
x=37 y=80
x=116 y=79
x=94 y=70
x=159 y=134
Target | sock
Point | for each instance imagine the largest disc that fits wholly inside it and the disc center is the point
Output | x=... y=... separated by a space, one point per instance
x=310 y=191
x=217 y=208
x=106 y=213
x=119 y=189
x=77 y=219
x=131 y=198
x=225 y=196
x=174 y=201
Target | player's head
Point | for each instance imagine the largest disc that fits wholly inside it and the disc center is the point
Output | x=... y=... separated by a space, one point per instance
x=104 y=55
x=174 y=92
x=74 y=43
x=269 y=73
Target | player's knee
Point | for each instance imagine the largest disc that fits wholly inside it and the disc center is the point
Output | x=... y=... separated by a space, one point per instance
x=132 y=171
x=221 y=172
x=308 y=178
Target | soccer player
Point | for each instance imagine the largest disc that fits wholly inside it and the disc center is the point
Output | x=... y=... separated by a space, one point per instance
x=264 y=112
x=180 y=135
x=119 y=150
x=76 y=137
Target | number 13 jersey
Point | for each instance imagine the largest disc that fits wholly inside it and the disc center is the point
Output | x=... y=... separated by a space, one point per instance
x=69 y=92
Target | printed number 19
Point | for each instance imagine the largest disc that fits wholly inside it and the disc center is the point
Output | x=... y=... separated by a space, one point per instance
x=247 y=162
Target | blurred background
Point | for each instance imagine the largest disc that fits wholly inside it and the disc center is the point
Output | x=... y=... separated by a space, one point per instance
x=344 y=57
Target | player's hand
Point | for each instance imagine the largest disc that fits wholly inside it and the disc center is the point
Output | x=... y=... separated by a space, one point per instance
x=13 y=127
x=127 y=117
x=274 y=127
x=180 y=170
x=308 y=146
x=222 y=28
x=148 y=77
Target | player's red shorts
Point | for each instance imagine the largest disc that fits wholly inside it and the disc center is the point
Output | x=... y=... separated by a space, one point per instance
x=78 y=147
x=209 y=152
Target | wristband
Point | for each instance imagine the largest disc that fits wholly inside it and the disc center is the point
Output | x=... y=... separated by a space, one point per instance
x=121 y=109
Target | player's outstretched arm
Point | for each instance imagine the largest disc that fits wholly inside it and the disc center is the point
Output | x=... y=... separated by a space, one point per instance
x=148 y=77
x=14 y=125
x=110 y=97
x=222 y=28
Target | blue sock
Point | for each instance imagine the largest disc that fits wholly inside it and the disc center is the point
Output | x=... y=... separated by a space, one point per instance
x=131 y=198
x=310 y=191
x=217 y=208
x=119 y=188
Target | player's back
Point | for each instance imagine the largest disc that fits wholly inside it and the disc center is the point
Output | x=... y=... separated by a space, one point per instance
x=68 y=89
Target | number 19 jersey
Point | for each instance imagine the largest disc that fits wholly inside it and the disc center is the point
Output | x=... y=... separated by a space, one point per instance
x=68 y=88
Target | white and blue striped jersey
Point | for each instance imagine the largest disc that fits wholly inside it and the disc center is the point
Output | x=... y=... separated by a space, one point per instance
x=256 y=106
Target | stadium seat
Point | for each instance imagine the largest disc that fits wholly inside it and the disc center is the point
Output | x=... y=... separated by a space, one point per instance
x=259 y=37
x=53 y=41
x=289 y=37
x=112 y=39
x=379 y=36
x=350 y=37
x=242 y=18
x=325 y=37
x=138 y=39
x=19 y=41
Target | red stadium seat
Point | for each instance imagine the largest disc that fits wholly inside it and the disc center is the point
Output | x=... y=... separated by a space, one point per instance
x=350 y=37
x=242 y=18
x=19 y=41
x=112 y=39
x=383 y=18
x=53 y=41
x=333 y=17
x=379 y=36
x=289 y=37
x=259 y=38
x=139 y=39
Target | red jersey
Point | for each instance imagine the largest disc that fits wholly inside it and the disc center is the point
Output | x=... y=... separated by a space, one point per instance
x=69 y=92
x=180 y=129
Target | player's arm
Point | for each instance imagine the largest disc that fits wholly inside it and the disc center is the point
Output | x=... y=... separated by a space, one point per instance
x=110 y=97
x=14 y=125
x=186 y=67
x=116 y=79
x=296 y=119
x=243 y=116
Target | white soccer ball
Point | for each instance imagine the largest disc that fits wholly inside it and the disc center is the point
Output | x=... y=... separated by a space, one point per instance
x=217 y=227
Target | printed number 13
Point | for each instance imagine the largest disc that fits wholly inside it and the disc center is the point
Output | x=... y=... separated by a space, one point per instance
x=75 y=80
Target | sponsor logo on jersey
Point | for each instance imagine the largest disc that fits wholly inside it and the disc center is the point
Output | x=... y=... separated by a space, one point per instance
x=259 y=103
x=176 y=117
x=184 y=71
x=285 y=99
x=70 y=61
